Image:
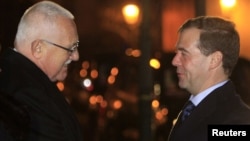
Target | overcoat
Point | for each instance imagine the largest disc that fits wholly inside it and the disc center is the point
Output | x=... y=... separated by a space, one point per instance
x=51 y=117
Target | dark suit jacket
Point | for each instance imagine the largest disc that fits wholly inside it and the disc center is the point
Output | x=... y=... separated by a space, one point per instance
x=222 y=106
x=51 y=118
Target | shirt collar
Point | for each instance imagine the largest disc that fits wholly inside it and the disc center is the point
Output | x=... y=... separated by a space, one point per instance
x=200 y=96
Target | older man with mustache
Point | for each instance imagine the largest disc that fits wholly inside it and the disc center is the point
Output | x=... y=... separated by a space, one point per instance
x=45 y=44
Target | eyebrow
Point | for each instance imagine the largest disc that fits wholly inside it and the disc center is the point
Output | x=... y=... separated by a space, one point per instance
x=182 y=49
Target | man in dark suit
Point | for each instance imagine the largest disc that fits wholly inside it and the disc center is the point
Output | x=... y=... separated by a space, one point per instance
x=207 y=51
x=45 y=44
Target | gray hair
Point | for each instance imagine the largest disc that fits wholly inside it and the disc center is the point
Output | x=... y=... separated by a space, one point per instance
x=41 y=14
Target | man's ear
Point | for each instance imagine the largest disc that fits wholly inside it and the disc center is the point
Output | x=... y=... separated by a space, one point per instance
x=36 y=48
x=216 y=59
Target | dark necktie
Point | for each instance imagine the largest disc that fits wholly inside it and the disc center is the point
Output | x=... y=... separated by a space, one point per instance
x=187 y=110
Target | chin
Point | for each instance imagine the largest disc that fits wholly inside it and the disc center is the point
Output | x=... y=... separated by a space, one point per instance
x=61 y=77
x=181 y=84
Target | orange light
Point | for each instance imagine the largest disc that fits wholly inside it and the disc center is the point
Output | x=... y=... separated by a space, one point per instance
x=155 y=103
x=93 y=100
x=114 y=71
x=60 y=86
x=111 y=79
x=83 y=73
x=136 y=53
x=227 y=7
x=154 y=63
x=85 y=64
x=158 y=115
x=131 y=13
x=228 y=3
x=164 y=111
x=117 y=104
x=104 y=104
x=94 y=73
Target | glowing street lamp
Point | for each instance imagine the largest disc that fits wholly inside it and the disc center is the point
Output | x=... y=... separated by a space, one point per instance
x=228 y=3
x=227 y=7
x=131 y=13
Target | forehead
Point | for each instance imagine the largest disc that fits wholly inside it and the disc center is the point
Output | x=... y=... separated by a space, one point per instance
x=188 y=38
x=64 y=28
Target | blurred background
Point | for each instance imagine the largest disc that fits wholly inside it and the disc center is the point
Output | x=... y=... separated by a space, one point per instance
x=124 y=88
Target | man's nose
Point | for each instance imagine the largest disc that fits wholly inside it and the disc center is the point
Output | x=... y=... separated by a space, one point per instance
x=75 y=55
x=176 y=60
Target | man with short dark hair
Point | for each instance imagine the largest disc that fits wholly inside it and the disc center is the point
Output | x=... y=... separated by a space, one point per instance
x=207 y=51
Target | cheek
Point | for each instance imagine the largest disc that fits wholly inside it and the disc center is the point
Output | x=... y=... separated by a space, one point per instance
x=56 y=64
x=57 y=71
x=191 y=66
x=199 y=68
x=59 y=59
x=61 y=75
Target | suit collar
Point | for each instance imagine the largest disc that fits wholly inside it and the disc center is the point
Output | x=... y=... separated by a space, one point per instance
x=204 y=109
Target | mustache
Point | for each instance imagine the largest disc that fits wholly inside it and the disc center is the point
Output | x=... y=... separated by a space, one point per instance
x=67 y=62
